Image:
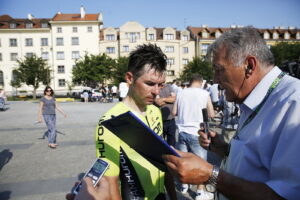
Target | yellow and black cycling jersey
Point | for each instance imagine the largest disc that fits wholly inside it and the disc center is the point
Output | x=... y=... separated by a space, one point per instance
x=139 y=178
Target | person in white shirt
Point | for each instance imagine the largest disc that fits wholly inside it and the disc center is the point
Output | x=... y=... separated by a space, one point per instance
x=114 y=90
x=123 y=90
x=188 y=106
x=263 y=160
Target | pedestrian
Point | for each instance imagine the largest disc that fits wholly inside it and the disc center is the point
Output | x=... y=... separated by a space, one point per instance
x=263 y=161
x=165 y=100
x=3 y=96
x=130 y=175
x=230 y=118
x=114 y=90
x=188 y=107
x=214 y=95
x=47 y=108
x=86 y=96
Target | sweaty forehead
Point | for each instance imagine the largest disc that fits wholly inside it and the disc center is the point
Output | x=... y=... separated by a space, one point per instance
x=153 y=76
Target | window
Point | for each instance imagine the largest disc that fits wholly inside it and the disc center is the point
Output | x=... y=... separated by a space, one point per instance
x=169 y=36
x=45 y=55
x=110 y=50
x=44 y=41
x=286 y=36
x=133 y=36
x=218 y=34
x=204 y=34
x=151 y=36
x=13 y=56
x=59 y=41
x=60 y=69
x=110 y=37
x=75 y=29
x=266 y=35
x=0 y=56
x=75 y=55
x=89 y=29
x=170 y=73
x=185 y=61
x=185 y=50
x=59 y=30
x=14 y=75
x=125 y=48
x=29 y=55
x=169 y=49
x=185 y=37
x=75 y=41
x=204 y=48
x=1 y=78
x=170 y=61
x=275 y=35
x=13 y=25
x=44 y=25
x=28 y=25
x=60 y=55
x=28 y=42
x=61 y=82
x=13 y=42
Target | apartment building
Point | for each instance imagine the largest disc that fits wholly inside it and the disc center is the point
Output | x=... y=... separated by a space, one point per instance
x=204 y=36
x=59 y=40
x=66 y=37
x=177 y=45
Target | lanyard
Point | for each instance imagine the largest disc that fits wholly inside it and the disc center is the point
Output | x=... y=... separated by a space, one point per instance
x=257 y=109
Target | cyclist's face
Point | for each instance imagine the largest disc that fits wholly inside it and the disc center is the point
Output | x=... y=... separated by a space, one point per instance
x=146 y=87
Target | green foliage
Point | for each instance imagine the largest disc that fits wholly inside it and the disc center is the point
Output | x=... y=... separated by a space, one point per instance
x=91 y=70
x=119 y=70
x=32 y=71
x=197 y=66
x=285 y=51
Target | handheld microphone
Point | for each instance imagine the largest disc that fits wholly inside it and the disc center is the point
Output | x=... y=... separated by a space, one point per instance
x=205 y=123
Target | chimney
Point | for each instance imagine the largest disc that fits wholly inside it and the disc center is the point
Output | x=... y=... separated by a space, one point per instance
x=100 y=17
x=82 y=12
x=30 y=16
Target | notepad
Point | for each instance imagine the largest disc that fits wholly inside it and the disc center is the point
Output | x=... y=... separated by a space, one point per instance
x=140 y=137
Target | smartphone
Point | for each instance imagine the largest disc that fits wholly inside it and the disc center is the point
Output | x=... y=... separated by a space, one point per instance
x=95 y=173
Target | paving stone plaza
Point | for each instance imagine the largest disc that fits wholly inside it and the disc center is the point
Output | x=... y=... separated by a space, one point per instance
x=29 y=169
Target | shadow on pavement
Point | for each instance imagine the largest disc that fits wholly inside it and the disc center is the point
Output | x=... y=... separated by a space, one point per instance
x=5 y=157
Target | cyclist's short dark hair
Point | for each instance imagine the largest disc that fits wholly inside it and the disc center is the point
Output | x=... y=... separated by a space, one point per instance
x=147 y=54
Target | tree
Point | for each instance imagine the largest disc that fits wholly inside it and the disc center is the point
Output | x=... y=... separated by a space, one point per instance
x=16 y=82
x=285 y=51
x=32 y=71
x=91 y=70
x=197 y=66
x=119 y=70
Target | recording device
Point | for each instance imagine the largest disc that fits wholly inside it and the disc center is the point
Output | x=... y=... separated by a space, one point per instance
x=249 y=67
x=95 y=173
x=205 y=123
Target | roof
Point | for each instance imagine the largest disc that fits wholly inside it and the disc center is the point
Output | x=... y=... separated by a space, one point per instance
x=75 y=17
x=196 y=32
x=5 y=20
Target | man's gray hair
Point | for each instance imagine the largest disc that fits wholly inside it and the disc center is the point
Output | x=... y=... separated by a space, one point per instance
x=241 y=42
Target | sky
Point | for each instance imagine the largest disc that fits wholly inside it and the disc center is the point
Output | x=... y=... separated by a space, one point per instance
x=167 y=13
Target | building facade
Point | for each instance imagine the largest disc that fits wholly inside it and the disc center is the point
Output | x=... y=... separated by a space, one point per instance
x=67 y=37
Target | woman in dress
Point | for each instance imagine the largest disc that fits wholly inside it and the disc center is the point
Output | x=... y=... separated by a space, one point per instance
x=47 y=109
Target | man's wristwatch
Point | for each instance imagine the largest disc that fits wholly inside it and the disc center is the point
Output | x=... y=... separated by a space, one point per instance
x=212 y=181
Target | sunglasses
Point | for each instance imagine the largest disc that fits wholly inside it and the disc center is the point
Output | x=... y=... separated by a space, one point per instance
x=48 y=90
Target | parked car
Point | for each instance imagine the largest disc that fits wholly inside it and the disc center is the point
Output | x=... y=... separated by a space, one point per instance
x=94 y=94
